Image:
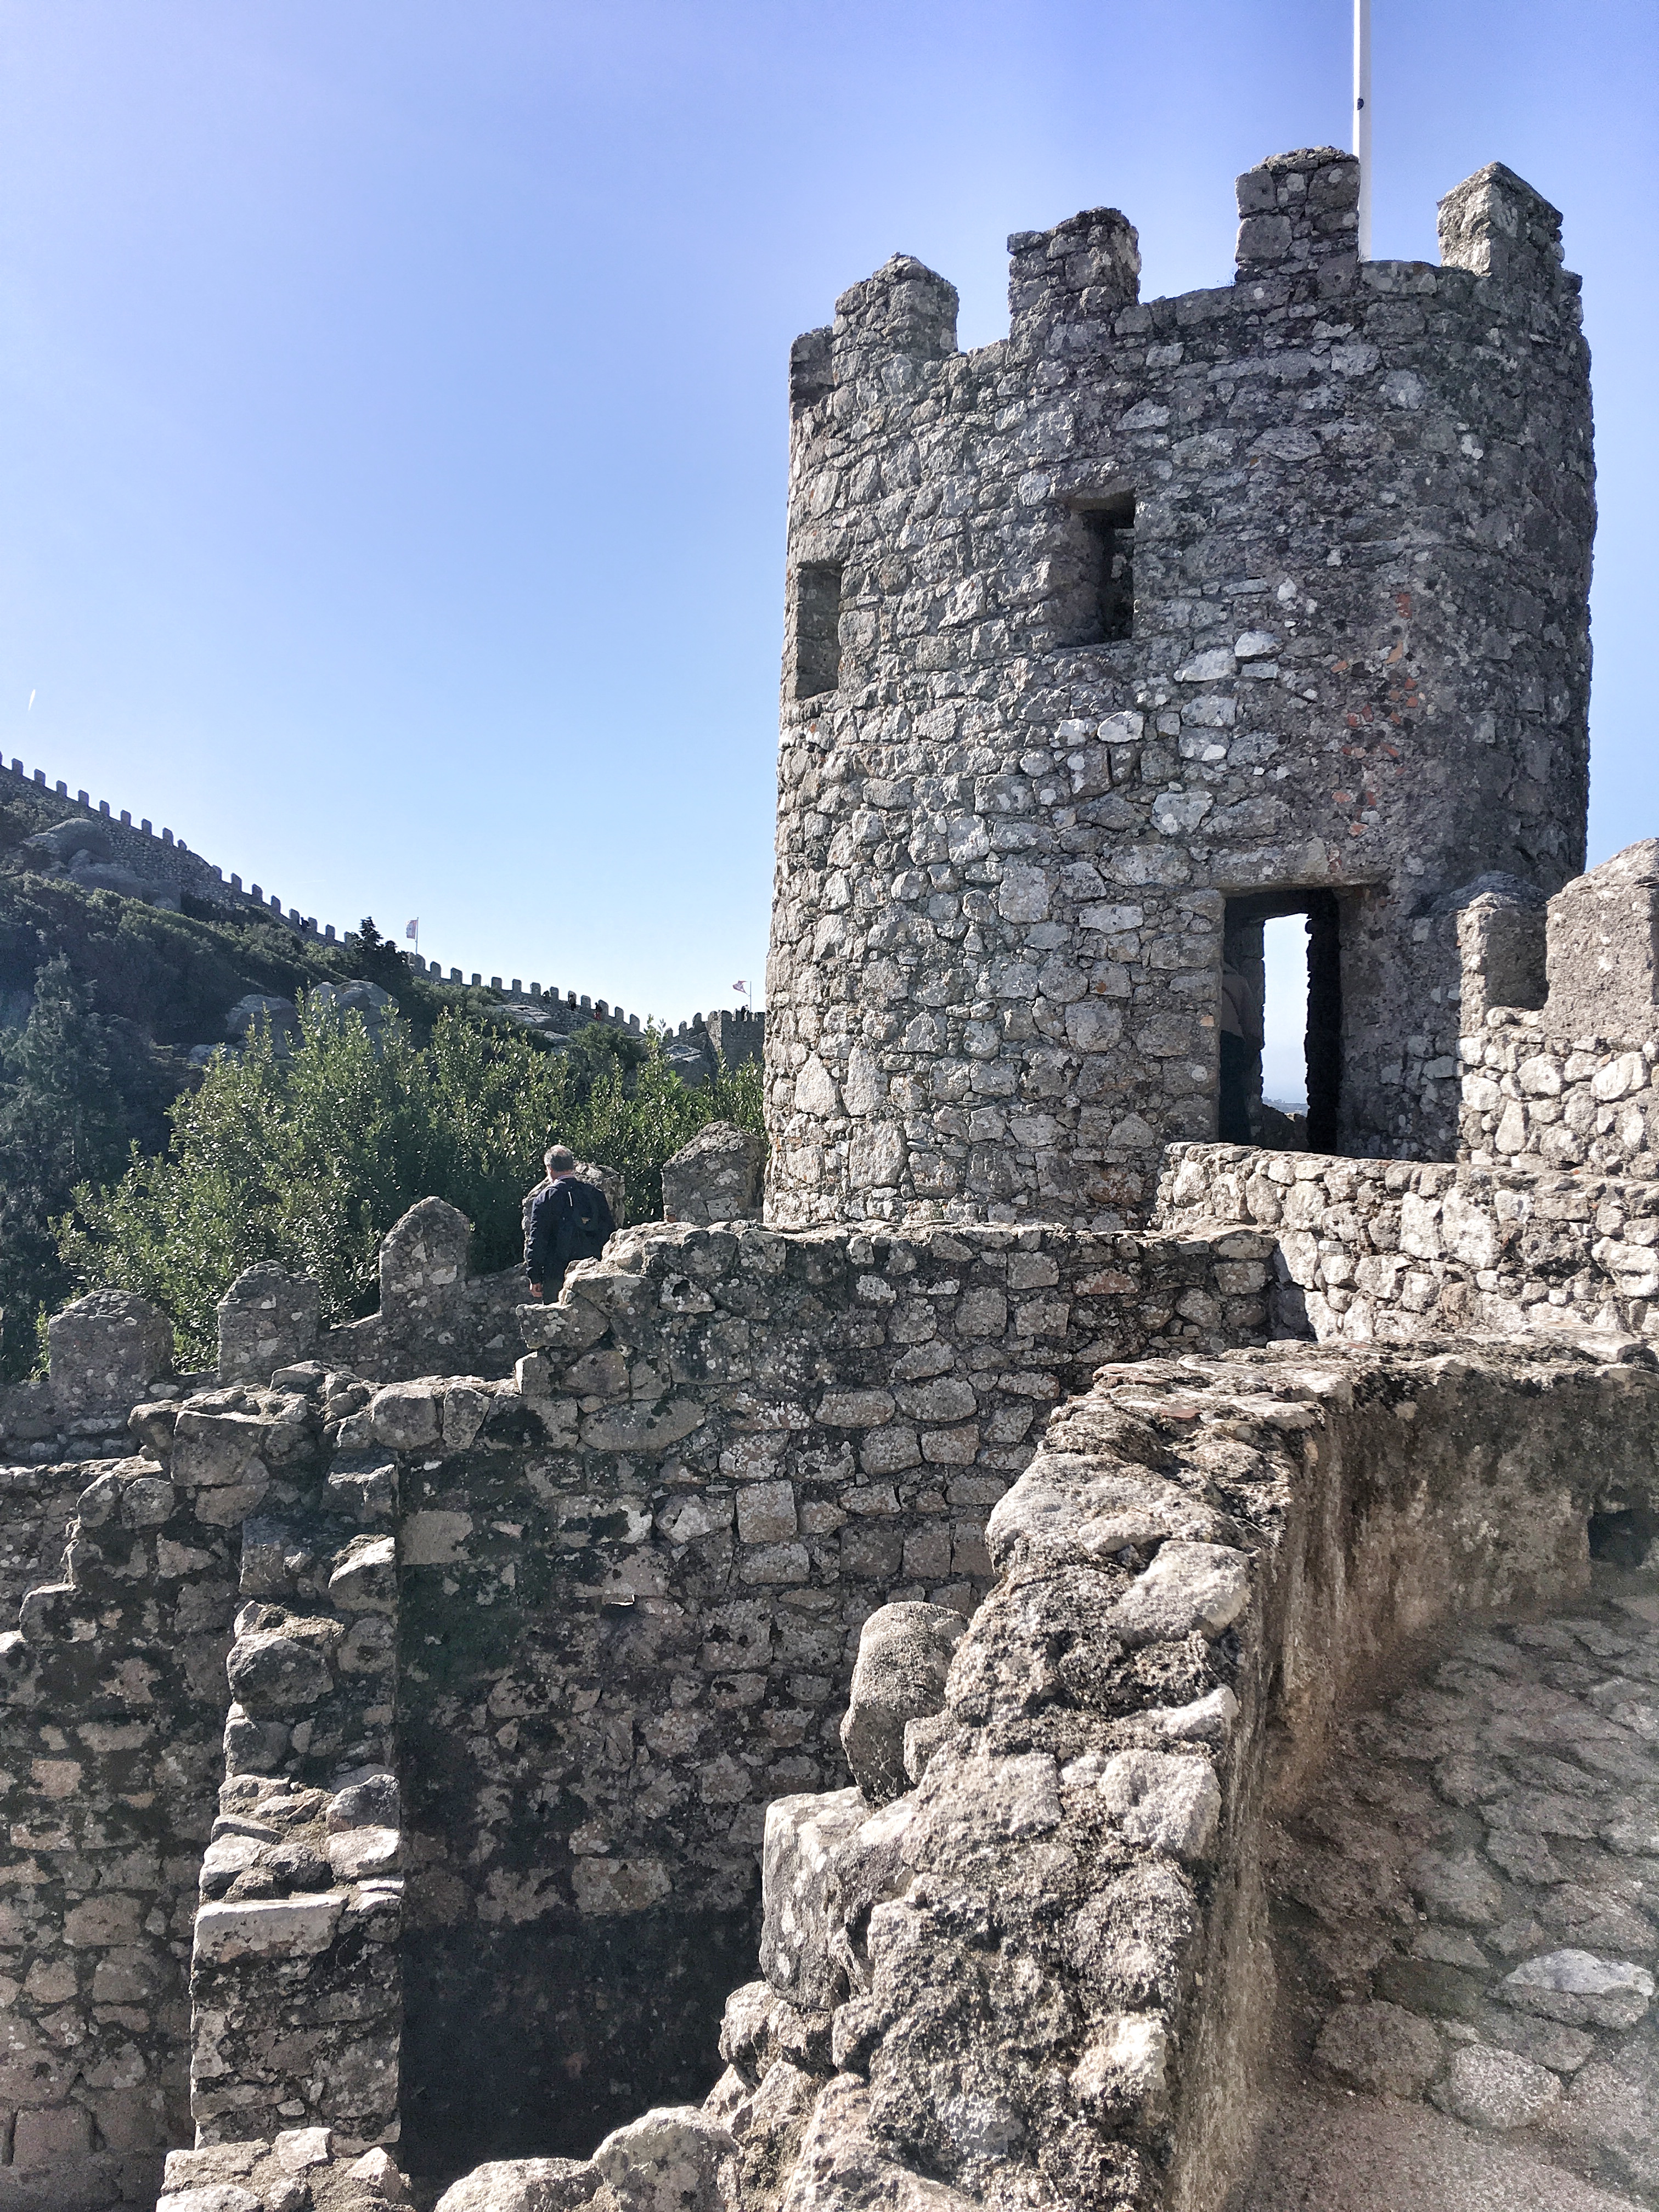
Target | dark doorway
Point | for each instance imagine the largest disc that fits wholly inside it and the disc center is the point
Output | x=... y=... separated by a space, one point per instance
x=1242 y=951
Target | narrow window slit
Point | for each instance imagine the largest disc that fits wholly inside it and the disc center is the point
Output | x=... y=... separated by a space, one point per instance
x=1105 y=606
x=818 y=628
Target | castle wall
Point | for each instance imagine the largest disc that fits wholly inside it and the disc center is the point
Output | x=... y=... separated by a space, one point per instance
x=1358 y=664
x=1045 y=1961
x=137 y=861
x=1394 y=1251
x=112 y=1701
x=1560 y=1051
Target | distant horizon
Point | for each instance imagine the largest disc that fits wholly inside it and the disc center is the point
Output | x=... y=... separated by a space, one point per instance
x=395 y=427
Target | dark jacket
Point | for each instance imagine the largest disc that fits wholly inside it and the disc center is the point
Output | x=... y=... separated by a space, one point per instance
x=569 y=1220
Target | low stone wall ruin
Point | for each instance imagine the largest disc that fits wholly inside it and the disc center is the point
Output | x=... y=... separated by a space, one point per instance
x=623 y=1592
x=1394 y=1251
x=1041 y=1972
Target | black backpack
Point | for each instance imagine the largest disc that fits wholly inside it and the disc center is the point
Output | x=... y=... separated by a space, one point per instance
x=585 y=1222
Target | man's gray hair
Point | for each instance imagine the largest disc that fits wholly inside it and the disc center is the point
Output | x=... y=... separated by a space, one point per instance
x=559 y=1159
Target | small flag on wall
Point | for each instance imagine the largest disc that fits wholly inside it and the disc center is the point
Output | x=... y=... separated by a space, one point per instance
x=742 y=990
x=413 y=928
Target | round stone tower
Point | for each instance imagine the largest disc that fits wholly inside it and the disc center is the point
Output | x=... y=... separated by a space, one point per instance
x=1112 y=639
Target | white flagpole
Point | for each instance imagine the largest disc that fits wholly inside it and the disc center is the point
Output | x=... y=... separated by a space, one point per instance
x=1362 y=117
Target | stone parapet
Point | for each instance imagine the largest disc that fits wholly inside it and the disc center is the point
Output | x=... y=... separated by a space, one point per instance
x=1395 y=1250
x=105 y=1350
x=1561 y=1102
x=1037 y=1975
x=1043 y=1966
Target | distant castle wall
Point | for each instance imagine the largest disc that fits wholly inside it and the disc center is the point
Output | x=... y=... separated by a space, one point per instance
x=166 y=861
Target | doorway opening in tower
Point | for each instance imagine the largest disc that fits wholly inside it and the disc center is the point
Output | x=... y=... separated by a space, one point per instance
x=1281 y=1019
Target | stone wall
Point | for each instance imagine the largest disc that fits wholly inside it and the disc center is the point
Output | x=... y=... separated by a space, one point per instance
x=622 y=1590
x=1030 y=1968
x=1560 y=1051
x=112 y=1701
x=1394 y=1250
x=295 y=1980
x=434 y=1316
x=1146 y=608
x=543 y=1648
x=631 y=1607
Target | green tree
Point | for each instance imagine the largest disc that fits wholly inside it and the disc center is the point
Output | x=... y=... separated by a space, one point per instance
x=60 y=1125
x=375 y=957
x=309 y=1160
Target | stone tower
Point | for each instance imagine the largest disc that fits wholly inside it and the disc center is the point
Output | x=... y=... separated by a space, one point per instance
x=1109 y=641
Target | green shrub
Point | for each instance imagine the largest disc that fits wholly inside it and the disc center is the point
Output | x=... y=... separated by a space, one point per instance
x=309 y=1160
x=64 y=1080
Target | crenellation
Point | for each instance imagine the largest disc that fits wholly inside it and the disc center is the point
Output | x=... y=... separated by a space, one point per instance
x=997 y=768
x=1298 y=219
x=1495 y=225
x=423 y=1730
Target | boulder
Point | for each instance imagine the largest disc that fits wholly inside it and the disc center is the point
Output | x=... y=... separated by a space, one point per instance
x=261 y=1015
x=522 y=2185
x=67 y=842
x=675 y=2159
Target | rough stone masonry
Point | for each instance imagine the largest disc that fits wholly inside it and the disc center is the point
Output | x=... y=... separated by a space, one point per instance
x=1109 y=639
x=418 y=1736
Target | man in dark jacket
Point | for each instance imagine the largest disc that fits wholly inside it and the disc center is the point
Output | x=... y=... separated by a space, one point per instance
x=569 y=1220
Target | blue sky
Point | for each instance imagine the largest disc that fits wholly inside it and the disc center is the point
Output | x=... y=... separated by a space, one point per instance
x=392 y=420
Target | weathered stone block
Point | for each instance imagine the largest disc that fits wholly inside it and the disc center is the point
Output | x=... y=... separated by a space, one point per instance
x=105 y=1350
x=268 y=1319
x=904 y=1655
x=802 y=1834
x=716 y=1177
x=297 y=1927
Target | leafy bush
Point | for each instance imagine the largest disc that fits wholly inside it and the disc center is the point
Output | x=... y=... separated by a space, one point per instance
x=309 y=1160
x=68 y=1079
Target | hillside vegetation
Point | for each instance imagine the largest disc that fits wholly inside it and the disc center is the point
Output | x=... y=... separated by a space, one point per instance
x=309 y=1160
x=123 y=1163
